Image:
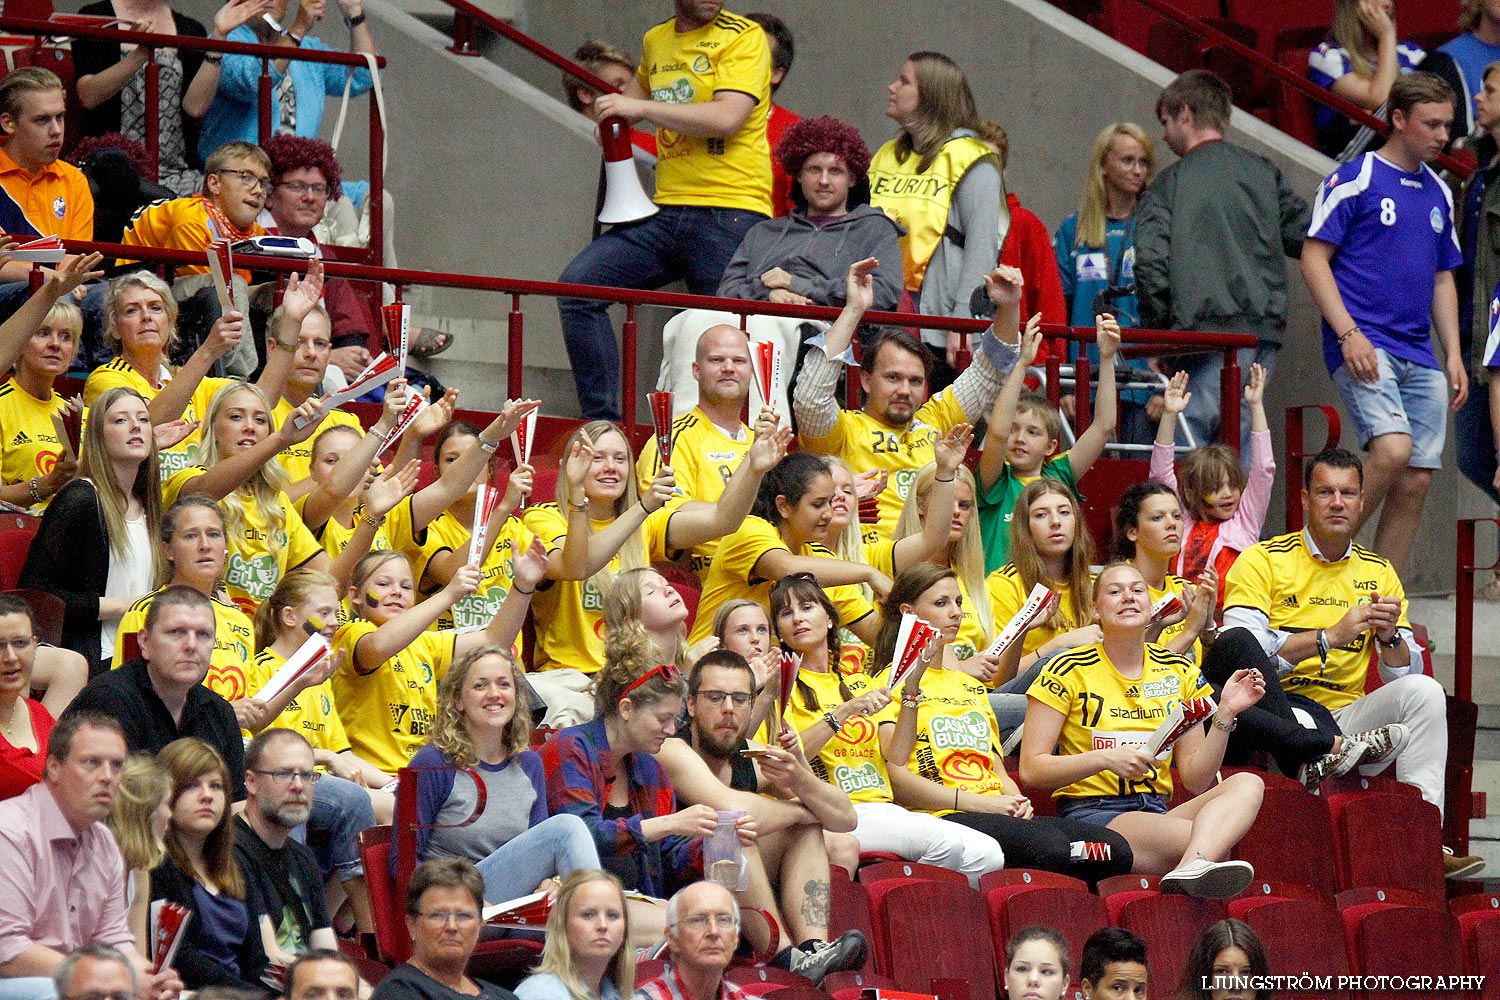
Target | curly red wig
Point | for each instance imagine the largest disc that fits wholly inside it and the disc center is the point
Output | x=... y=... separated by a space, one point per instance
x=824 y=135
x=293 y=152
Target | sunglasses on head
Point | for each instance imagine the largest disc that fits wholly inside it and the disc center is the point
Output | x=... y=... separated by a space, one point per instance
x=666 y=672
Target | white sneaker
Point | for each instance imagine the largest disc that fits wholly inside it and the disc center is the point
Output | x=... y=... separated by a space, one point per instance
x=1207 y=879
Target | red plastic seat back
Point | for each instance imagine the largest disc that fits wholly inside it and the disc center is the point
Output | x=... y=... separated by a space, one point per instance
x=1404 y=941
x=1301 y=936
x=1075 y=913
x=1291 y=840
x=849 y=910
x=390 y=924
x=1392 y=841
x=880 y=871
x=1168 y=923
x=14 y=544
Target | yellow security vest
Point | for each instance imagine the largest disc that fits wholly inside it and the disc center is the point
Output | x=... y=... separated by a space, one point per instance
x=920 y=201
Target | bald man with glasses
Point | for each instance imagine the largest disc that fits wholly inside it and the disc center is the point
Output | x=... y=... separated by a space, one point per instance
x=703 y=927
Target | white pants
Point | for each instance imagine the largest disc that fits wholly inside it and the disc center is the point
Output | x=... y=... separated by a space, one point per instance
x=919 y=836
x=1419 y=703
x=568 y=694
x=679 y=343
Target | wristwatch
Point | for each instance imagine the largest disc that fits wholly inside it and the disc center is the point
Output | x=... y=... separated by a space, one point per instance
x=355 y=21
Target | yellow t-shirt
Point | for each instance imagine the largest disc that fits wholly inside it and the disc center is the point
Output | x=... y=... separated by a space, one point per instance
x=29 y=444
x=476 y=610
x=389 y=711
x=703 y=460
x=729 y=54
x=1177 y=585
x=179 y=224
x=866 y=442
x=119 y=372
x=1103 y=709
x=229 y=667
x=1008 y=595
x=851 y=760
x=259 y=555
x=971 y=638
x=297 y=459
x=732 y=575
x=311 y=713
x=570 y=613
x=958 y=739
x=1300 y=593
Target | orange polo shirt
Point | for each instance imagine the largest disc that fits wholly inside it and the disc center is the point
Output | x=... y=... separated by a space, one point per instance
x=54 y=201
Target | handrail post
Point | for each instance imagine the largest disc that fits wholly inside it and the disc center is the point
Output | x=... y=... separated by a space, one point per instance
x=513 y=359
x=377 y=186
x=628 y=334
x=1054 y=369
x=963 y=356
x=464 y=38
x=1229 y=400
x=153 y=116
x=1463 y=623
x=263 y=102
x=1083 y=375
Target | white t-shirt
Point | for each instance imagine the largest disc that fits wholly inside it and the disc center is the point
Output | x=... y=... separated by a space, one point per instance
x=130 y=576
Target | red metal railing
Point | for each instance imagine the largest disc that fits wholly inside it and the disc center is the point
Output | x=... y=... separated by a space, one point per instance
x=1159 y=341
x=1213 y=38
x=43 y=30
x=1297 y=453
x=1463 y=619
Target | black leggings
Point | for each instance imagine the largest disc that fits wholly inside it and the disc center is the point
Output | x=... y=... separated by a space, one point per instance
x=1270 y=725
x=1044 y=842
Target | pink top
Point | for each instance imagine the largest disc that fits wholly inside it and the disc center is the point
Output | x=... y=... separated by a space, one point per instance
x=1243 y=529
x=57 y=889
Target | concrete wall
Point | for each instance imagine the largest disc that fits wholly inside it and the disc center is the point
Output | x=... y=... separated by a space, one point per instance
x=490 y=174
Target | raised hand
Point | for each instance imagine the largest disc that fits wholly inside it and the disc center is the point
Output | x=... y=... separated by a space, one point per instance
x=1031 y=340
x=512 y=416
x=656 y=496
x=1107 y=336
x=172 y=432
x=950 y=449
x=303 y=293
x=238 y=12
x=1177 y=397
x=382 y=496
x=1243 y=689
x=528 y=568
x=1004 y=285
x=74 y=271
x=859 y=286
x=576 y=468
x=1255 y=390
x=517 y=488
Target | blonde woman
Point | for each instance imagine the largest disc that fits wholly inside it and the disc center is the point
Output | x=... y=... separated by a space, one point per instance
x=96 y=547
x=1359 y=61
x=959 y=547
x=641 y=605
x=586 y=955
x=483 y=724
x=953 y=239
x=267 y=538
x=140 y=319
x=138 y=819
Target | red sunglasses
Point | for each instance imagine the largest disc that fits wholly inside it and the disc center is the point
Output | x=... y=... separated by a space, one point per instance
x=666 y=672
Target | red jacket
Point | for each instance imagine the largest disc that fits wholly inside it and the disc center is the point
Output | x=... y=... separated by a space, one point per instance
x=1028 y=246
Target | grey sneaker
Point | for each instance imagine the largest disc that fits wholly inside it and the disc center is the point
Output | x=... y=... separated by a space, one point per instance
x=1333 y=765
x=1209 y=879
x=842 y=954
x=1384 y=743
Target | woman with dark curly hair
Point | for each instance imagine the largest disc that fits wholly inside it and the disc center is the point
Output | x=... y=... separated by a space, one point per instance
x=515 y=845
x=804 y=257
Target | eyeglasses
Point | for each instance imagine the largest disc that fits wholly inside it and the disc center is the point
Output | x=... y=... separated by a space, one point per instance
x=18 y=645
x=698 y=922
x=740 y=699
x=285 y=776
x=300 y=188
x=96 y=995
x=440 y=918
x=666 y=672
x=253 y=181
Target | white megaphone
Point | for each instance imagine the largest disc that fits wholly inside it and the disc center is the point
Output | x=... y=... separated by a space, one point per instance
x=624 y=198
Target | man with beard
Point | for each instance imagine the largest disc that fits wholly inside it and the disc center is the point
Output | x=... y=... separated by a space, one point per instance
x=282 y=874
x=707 y=765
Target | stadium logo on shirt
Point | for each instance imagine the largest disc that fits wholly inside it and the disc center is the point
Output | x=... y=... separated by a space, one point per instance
x=1436 y=218
x=60 y=206
x=700 y=64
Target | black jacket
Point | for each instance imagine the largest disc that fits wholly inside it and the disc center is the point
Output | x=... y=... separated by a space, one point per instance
x=70 y=558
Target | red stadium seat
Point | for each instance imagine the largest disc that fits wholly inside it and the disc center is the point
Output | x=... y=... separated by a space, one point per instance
x=1391 y=841
x=1434 y=18
x=1398 y=897
x=1265 y=890
x=14 y=544
x=1293 y=108
x=1029 y=878
x=47 y=612
x=1384 y=939
x=1071 y=910
x=915 y=943
x=1168 y=923
x=1272 y=19
x=851 y=985
x=870 y=874
x=763 y=980
x=849 y=910
x=1301 y=937
x=687 y=585
x=1479 y=923
x=1130 y=23
x=1291 y=839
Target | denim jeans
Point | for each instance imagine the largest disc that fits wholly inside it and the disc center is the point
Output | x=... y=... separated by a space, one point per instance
x=1475 y=440
x=680 y=242
x=555 y=846
x=341 y=811
x=1202 y=413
